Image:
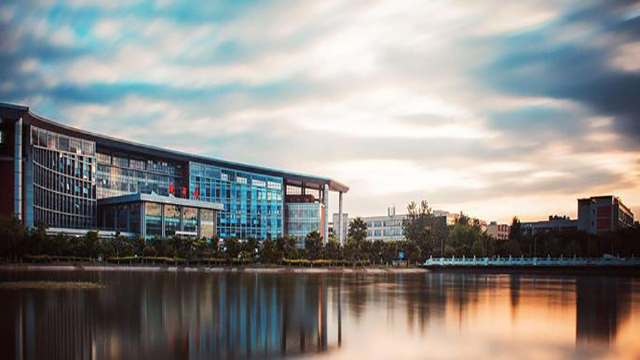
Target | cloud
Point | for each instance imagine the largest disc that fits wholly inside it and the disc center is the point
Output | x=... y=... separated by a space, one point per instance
x=480 y=106
x=575 y=67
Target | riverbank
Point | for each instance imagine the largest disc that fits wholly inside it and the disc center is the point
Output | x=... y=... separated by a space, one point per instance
x=231 y=269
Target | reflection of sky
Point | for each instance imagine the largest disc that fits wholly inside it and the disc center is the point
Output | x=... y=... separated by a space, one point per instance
x=444 y=316
x=471 y=104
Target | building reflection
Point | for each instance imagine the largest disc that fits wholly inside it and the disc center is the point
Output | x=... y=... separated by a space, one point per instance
x=242 y=316
x=602 y=305
x=213 y=317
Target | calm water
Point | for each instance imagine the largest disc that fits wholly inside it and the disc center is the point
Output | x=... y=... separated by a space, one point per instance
x=229 y=316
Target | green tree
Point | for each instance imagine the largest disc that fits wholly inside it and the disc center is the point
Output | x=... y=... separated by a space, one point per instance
x=90 y=245
x=267 y=251
x=420 y=227
x=290 y=247
x=478 y=248
x=149 y=251
x=333 y=250
x=313 y=245
x=375 y=252
x=357 y=230
x=465 y=238
x=250 y=246
x=389 y=252
x=232 y=248
x=515 y=233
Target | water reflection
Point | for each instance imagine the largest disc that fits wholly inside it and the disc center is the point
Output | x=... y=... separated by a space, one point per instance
x=241 y=316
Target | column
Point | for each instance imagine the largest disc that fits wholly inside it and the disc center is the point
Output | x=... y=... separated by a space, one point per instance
x=340 y=221
x=17 y=178
x=143 y=221
x=28 y=184
x=326 y=213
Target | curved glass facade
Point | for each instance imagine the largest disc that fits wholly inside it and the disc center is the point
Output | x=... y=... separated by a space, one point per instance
x=253 y=203
x=303 y=218
x=64 y=187
x=120 y=174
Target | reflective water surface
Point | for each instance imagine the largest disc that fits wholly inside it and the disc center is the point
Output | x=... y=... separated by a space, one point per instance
x=154 y=315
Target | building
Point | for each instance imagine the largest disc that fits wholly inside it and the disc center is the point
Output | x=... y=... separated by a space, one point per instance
x=445 y=216
x=336 y=225
x=498 y=231
x=555 y=223
x=603 y=213
x=391 y=226
x=387 y=227
x=73 y=180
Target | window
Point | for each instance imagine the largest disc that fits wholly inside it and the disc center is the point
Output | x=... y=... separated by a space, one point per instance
x=153 y=216
x=171 y=219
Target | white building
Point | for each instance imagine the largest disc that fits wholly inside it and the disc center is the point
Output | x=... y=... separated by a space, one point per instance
x=385 y=228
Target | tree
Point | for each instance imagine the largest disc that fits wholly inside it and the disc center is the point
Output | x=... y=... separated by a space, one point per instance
x=515 y=234
x=90 y=243
x=333 y=250
x=149 y=251
x=357 y=230
x=465 y=238
x=420 y=227
x=290 y=247
x=232 y=248
x=375 y=252
x=161 y=247
x=412 y=252
x=478 y=248
x=313 y=245
x=13 y=236
x=267 y=251
x=389 y=252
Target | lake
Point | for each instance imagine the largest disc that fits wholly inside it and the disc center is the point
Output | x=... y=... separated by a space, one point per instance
x=441 y=315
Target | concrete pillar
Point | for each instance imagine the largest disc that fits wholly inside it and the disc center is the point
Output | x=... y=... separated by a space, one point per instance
x=163 y=233
x=326 y=214
x=28 y=183
x=340 y=221
x=143 y=220
x=17 y=178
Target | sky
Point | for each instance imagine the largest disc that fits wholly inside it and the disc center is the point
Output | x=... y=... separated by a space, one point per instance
x=493 y=108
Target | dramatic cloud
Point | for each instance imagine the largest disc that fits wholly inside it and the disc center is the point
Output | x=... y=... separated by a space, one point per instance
x=489 y=107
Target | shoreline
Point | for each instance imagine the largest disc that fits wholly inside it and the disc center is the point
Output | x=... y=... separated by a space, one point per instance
x=274 y=270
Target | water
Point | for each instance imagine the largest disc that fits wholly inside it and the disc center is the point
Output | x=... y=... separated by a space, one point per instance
x=153 y=315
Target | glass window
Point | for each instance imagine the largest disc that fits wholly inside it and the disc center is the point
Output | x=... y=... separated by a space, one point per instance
x=206 y=223
x=171 y=219
x=190 y=219
x=153 y=216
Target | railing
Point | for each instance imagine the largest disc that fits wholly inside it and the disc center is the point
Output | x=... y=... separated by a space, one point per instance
x=531 y=262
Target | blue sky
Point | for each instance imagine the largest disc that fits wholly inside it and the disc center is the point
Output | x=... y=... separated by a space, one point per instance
x=489 y=107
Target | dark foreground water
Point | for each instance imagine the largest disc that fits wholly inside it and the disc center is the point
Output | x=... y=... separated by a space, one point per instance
x=156 y=315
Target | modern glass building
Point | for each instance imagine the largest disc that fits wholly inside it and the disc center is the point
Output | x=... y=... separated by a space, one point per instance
x=70 y=179
x=150 y=216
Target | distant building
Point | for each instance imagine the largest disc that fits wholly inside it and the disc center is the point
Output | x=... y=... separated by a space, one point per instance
x=336 y=226
x=498 y=231
x=603 y=213
x=555 y=223
x=385 y=228
x=390 y=227
x=447 y=217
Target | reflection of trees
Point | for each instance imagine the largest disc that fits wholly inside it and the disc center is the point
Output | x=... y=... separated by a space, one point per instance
x=356 y=291
x=602 y=304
